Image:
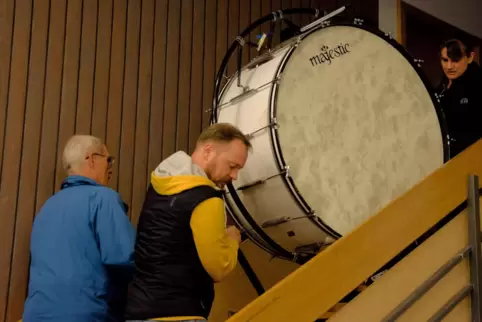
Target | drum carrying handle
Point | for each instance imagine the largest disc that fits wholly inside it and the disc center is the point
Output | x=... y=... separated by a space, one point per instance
x=324 y=18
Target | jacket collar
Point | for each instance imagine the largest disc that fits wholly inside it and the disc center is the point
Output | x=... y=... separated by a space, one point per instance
x=75 y=180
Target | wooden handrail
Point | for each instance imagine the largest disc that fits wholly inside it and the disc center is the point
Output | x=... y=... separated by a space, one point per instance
x=318 y=285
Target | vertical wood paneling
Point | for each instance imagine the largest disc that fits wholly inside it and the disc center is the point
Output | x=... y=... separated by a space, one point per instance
x=233 y=26
x=244 y=22
x=141 y=146
x=6 y=29
x=197 y=84
x=51 y=106
x=221 y=33
x=87 y=65
x=13 y=143
x=137 y=74
x=29 y=161
x=129 y=110
x=184 y=89
x=156 y=118
x=210 y=71
x=172 y=79
x=102 y=69
x=116 y=85
x=68 y=104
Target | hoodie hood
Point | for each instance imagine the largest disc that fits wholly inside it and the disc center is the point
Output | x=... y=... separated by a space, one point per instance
x=178 y=173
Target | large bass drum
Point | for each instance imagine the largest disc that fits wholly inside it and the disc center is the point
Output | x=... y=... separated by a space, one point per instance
x=342 y=121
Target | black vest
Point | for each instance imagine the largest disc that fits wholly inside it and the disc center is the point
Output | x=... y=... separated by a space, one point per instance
x=169 y=279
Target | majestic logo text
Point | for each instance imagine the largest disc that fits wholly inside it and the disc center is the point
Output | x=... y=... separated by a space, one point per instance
x=327 y=55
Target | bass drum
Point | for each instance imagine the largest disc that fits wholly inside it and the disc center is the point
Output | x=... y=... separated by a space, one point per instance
x=342 y=122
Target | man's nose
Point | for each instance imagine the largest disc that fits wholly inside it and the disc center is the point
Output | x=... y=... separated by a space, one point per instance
x=234 y=174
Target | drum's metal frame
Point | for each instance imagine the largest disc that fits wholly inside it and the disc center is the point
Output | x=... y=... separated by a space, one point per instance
x=257 y=232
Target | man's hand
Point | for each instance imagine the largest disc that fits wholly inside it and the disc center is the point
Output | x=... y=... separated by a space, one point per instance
x=234 y=233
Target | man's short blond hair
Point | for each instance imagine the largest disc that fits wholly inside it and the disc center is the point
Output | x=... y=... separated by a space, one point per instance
x=223 y=132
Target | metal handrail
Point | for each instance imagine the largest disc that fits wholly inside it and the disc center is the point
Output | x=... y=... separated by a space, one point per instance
x=474 y=255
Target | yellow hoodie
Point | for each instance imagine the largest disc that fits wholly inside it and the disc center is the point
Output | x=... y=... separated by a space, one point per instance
x=217 y=251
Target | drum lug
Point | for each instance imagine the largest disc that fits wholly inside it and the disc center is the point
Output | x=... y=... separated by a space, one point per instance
x=358 y=21
x=325 y=23
x=419 y=62
x=438 y=97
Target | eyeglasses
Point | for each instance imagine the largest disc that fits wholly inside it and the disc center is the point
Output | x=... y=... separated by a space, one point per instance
x=110 y=158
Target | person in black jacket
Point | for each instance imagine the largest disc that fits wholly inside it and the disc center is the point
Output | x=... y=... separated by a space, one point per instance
x=183 y=245
x=460 y=93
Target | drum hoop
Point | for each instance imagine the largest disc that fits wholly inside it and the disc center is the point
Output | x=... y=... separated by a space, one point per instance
x=288 y=180
x=255 y=238
x=276 y=248
x=281 y=163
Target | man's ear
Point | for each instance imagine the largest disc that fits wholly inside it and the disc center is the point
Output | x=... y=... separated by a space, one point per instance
x=90 y=161
x=471 y=57
x=207 y=149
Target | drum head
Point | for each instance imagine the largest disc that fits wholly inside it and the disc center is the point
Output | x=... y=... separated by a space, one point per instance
x=357 y=126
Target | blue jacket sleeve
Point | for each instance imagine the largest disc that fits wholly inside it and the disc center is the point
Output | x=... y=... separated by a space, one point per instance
x=114 y=232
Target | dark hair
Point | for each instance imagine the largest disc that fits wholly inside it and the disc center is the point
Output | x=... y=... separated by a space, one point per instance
x=456 y=49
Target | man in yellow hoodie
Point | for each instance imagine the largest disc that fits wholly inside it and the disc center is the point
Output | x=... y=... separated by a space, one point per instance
x=183 y=245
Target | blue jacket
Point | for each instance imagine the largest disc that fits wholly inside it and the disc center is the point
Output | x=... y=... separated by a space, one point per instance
x=81 y=255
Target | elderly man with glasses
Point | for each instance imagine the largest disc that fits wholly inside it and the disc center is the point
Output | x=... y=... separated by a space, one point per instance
x=82 y=243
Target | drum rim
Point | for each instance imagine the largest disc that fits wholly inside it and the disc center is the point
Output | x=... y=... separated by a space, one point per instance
x=253 y=237
x=275 y=141
x=276 y=249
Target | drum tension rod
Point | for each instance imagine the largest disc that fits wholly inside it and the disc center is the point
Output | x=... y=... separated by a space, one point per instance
x=272 y=124
x=258 y=182
x=247 y=92
x=278 y=221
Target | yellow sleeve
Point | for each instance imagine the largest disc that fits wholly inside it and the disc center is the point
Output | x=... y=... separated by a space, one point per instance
x=217 y=251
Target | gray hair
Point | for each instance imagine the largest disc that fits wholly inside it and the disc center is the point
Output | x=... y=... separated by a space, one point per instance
x=77 y=149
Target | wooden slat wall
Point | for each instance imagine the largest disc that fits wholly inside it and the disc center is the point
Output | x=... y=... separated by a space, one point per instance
x=138 y=74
